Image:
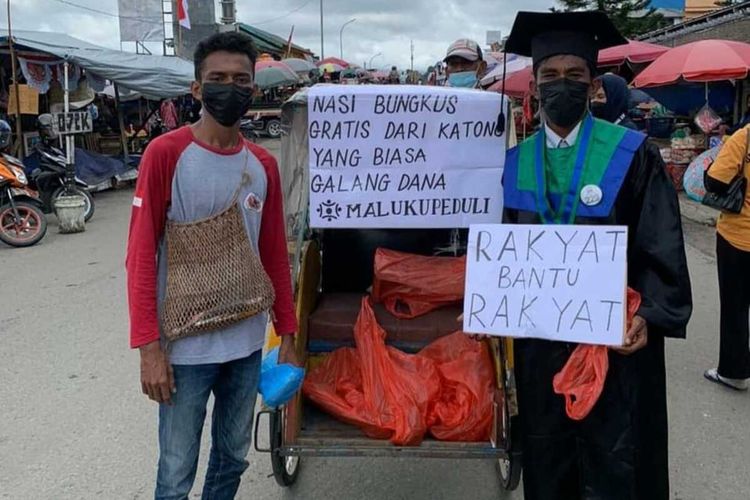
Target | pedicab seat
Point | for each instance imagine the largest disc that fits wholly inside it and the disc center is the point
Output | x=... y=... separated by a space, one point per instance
x=331 y=325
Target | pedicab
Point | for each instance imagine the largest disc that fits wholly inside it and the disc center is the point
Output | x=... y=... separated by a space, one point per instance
x=332 y=269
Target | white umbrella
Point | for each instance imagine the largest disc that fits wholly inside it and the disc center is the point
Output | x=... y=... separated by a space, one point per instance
x=514 y=63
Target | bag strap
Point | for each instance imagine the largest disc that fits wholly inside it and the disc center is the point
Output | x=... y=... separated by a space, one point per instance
x=244 y=180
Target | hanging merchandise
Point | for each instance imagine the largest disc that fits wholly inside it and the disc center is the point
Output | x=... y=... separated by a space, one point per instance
x=28 y=99
x=168 y=113
x=38 y=75
x=74 y=74
x=56 y=94
x=707 y=119
x=411 y=285
x=96 y=83
x=446 y=389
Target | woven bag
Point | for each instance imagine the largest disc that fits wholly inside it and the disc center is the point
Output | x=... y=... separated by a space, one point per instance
x=214 y=278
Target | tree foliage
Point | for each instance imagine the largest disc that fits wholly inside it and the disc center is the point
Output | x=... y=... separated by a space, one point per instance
x=631 y=17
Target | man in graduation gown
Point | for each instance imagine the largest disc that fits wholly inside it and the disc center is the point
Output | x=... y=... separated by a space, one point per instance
x=579 y=170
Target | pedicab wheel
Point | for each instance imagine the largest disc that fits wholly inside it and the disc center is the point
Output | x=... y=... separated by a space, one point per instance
x=509 y=471
x=285 y=469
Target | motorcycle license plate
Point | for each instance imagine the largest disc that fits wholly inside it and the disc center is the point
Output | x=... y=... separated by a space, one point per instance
x=24 y=192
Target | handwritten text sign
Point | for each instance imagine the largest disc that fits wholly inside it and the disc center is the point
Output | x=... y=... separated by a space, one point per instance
x=404 y=156
x=552 y=282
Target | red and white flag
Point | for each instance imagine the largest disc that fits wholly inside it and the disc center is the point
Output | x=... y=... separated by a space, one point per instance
x=182 y=13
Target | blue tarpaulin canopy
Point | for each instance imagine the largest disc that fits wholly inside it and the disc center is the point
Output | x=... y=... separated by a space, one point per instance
x=687 y=98
x=153 y=76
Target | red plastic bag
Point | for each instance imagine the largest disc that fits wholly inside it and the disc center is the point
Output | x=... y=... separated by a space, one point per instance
x=410 y=285
x=581 y=380
x=446 y=389
x=463 y=410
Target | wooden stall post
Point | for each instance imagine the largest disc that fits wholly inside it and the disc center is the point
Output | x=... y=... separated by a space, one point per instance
x=121 y=122
x=13 y=64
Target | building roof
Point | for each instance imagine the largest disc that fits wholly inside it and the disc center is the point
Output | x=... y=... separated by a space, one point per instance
x=268 y=42
x=706 y=21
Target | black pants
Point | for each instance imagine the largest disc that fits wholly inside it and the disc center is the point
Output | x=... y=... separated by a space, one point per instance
x=734 y=292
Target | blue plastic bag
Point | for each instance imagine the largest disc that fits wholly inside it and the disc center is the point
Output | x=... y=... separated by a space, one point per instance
x=278 y=383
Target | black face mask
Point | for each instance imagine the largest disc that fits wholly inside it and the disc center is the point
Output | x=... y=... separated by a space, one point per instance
x=564 y=101
x=226 y=102
x=599 y=110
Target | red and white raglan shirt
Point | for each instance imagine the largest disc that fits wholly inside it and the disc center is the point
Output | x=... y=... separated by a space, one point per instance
x=184 y=180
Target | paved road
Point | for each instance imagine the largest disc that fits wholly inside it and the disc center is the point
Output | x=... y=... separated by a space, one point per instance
x=73 y=424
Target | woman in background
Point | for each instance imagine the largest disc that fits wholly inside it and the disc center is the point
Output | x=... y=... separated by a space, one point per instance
x=612 y=101
x=733 y=262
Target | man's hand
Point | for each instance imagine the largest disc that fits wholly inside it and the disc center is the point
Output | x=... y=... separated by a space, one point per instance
x=157 y=378
x=288 y=351
x=635 y=339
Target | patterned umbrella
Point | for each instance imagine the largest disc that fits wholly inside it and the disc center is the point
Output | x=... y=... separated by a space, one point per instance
x=265 y=64
x=514 y=64
x=299 y=65
x=274 y=75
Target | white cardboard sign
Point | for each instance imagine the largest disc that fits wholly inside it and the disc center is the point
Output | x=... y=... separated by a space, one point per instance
x=554 y=282
x=387 y=156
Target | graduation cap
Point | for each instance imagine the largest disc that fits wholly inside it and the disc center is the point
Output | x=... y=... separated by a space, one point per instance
x=545 y=34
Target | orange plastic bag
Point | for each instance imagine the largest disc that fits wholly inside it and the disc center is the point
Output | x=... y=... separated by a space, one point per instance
x=581 y=380
x=446 y=389
x=410 y=285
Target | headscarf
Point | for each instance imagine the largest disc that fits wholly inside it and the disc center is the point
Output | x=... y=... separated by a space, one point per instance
x=618 y=97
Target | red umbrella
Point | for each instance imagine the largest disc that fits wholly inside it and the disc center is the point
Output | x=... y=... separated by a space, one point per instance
x=703 y=61
x=517 y=84
x=633 y=51
x=333 y=60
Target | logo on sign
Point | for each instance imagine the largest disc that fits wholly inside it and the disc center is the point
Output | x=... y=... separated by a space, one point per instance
x=329 y=210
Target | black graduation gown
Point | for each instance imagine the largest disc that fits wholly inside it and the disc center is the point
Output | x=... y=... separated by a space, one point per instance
x=620 y=450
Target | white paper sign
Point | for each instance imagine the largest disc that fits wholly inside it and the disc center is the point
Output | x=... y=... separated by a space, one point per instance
x=552 y=282
x=404 y=156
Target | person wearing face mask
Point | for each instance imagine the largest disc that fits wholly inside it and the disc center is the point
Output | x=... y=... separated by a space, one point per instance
x=206 y=181
x=580 y=170
x=464 y=64
x=612 y=101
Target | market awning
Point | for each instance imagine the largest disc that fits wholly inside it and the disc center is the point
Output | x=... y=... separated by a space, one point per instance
x=150 y=75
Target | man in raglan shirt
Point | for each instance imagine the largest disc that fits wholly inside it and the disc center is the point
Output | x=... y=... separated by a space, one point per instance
x=188 y=175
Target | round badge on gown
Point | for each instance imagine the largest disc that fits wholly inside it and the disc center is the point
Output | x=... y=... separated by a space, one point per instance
x=591 y=195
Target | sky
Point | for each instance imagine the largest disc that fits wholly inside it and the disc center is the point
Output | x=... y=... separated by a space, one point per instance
x=381 y=26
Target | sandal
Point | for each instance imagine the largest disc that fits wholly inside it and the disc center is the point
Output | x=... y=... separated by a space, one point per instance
x=712 y=375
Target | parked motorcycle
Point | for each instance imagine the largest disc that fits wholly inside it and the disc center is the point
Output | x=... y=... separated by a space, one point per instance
x=22 y=221
x=49 y=178
x=250 y=128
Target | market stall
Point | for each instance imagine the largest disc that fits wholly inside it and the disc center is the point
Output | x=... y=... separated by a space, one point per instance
x=42 y=58
x=700 y=83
